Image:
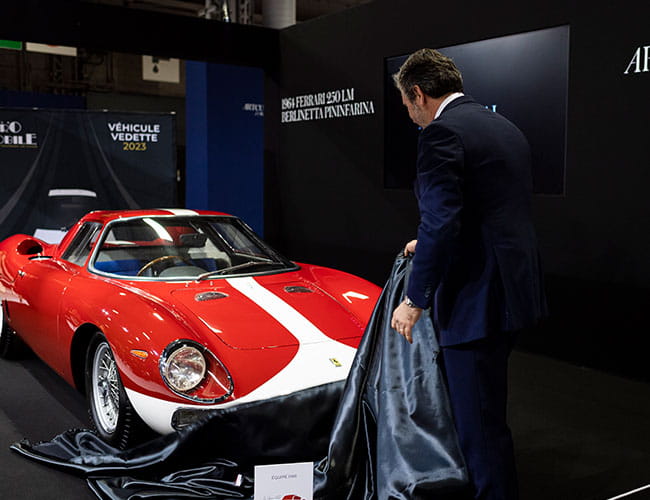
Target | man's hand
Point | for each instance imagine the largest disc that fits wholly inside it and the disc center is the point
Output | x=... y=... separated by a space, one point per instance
x=409 y=249
x=404 y=318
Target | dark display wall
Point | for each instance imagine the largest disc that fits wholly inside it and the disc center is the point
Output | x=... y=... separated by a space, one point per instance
x=514 y=75
x=326 y=200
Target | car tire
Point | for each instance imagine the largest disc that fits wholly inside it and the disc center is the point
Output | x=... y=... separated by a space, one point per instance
x=11 y=347
x=111 y=413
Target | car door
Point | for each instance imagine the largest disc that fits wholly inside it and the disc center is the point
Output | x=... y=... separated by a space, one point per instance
x=40 y=286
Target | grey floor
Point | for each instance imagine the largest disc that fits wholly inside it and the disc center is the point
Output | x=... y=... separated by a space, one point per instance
x=579 y=434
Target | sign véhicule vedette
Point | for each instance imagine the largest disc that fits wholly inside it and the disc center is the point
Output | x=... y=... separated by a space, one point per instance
x=116 y=160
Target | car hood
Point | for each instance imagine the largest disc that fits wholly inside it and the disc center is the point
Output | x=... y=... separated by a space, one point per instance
x=264 y=312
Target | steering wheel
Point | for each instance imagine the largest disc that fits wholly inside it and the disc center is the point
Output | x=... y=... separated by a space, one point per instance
x=158 y=260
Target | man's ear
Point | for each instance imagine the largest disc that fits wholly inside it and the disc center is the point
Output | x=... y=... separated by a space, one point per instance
x=419 y=95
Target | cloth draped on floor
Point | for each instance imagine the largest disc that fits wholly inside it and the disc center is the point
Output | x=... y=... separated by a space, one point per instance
x=385 y=433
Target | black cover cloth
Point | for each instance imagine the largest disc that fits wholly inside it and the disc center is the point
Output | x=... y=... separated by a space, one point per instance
x=393 y=437
x=388 y=435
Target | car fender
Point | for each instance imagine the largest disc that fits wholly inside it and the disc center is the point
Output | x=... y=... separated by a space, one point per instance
x=15 y=251
x=137 y=326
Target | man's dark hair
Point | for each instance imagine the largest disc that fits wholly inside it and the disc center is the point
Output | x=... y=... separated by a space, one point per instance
x=435 y=74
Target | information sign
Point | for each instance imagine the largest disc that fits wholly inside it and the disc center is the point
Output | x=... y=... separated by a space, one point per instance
x=284 y=481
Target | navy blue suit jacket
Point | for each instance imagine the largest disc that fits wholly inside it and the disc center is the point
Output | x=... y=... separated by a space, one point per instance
x=476 y=261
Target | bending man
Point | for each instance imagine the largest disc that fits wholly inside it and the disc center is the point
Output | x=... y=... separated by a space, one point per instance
x=475 y=260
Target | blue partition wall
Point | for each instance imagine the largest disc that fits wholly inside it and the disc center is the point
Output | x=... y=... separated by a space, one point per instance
x=225 y=143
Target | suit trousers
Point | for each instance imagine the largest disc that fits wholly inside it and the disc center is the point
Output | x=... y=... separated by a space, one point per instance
x=477 y=380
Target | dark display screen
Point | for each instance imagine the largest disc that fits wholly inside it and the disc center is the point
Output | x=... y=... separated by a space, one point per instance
x=524 y=77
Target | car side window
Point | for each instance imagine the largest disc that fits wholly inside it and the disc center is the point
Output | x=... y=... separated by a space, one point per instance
x=80 y=246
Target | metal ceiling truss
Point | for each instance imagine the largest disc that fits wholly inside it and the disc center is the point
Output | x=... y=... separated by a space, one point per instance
x=235 y=11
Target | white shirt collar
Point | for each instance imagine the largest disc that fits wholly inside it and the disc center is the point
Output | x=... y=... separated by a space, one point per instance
x=447 y=100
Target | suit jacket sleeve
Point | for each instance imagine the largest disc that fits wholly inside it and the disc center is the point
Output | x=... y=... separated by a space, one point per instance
x=440 y=200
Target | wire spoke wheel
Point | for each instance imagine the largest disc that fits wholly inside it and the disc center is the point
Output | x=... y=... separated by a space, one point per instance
x=105 y=390
x=116 y=421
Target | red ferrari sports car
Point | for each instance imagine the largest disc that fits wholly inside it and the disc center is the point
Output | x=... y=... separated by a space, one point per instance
x=158 y=315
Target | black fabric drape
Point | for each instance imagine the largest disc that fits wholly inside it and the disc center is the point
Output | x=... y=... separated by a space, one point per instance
x=388 y=435
x=393 y=437
x=213 y=458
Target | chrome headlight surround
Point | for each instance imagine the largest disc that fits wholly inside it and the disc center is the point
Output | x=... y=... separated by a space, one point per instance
x=184 y=368
x=204 y=372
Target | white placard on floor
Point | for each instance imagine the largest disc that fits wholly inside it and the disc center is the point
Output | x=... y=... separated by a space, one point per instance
x=284 y=481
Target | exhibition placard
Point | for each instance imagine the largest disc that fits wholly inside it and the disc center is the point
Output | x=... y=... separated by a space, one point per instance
x=284 y=481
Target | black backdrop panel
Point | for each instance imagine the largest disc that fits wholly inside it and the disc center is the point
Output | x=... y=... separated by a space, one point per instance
x=59 y=164
x=329 y=204
x=524 y=77
x=329 y=196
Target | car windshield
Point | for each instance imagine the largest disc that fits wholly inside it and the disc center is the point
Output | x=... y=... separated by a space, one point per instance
x=173 y=247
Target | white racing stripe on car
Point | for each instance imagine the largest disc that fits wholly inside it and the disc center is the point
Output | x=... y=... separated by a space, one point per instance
x=299 y=326
x=180 y=211
x=312 y=363
x=311 y=366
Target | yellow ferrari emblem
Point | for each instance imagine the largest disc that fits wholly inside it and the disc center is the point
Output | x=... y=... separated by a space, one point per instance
x=336 y=362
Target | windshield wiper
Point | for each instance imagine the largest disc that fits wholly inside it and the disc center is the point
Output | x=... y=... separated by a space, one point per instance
x=244 y=265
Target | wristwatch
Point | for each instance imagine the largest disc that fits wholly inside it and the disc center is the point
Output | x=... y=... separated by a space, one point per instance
x=410 y=303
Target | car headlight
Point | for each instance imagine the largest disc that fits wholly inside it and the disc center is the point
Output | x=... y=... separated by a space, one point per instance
x=191 y=371
x=184 y=368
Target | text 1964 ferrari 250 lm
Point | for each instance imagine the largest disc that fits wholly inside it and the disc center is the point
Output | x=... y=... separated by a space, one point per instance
x=158 y=315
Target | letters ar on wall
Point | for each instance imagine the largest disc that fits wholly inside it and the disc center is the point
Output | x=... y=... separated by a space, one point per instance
x=57 y=165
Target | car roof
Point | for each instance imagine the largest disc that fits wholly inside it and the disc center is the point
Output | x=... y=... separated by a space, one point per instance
x=105 y=216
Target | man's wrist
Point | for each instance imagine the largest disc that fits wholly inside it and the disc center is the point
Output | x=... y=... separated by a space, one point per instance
x=410 y=303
